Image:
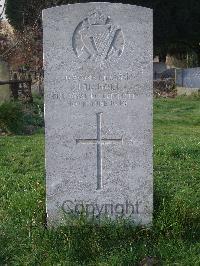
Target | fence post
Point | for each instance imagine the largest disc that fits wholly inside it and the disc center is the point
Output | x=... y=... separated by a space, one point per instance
x=15 y=88
x=29 y=88
x=175 y=76
x=182 y=76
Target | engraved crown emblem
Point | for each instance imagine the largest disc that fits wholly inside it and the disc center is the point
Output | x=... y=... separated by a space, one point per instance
x=97 y=18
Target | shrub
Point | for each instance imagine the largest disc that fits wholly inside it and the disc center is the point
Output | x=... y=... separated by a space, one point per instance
x=19 y=118
x=11 y=117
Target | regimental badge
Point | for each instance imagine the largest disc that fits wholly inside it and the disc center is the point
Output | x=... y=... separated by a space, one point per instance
x=97 y=39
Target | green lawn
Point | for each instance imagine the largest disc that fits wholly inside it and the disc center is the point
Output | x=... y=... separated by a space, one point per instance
x=174 y=238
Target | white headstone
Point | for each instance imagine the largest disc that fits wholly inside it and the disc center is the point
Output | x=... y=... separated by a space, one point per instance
x=98 y=111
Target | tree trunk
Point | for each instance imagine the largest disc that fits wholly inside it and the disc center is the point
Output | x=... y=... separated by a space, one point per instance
x=162 y=58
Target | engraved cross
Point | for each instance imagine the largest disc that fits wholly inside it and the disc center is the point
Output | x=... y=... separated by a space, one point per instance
x=99 y=141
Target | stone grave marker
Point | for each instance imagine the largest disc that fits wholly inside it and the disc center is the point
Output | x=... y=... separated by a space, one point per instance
x=5 y=92
x=98 y=111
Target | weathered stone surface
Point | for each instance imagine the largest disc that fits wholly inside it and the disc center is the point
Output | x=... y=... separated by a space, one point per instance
x=98 y=110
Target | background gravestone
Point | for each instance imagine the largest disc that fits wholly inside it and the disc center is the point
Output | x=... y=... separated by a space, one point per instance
x=5 y=92
x=98 y=111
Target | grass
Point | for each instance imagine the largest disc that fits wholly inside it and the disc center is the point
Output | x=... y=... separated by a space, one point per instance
x=174 y=238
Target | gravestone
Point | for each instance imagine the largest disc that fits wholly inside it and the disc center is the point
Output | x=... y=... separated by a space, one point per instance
x=98 y=111
x=5 y=92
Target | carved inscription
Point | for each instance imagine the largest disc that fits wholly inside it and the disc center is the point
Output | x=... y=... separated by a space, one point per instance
x=101 y=77
x=94 y=98
x=99 y=90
